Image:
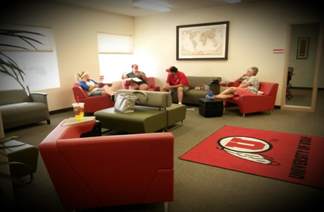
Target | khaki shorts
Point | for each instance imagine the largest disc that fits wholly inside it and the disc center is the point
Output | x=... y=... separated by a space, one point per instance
x=184 y=88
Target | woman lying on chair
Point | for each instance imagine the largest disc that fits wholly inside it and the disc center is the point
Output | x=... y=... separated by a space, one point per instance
x=92 y=87
x=249 y=86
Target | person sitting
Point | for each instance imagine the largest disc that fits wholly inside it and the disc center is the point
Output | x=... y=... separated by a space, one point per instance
x=140 y=84
x=91 y=87
x=176 y=82
x=249 y=86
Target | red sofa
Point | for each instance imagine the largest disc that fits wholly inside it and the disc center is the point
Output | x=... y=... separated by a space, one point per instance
x=150 y=81
x=255 y=103
x=103 y=171
x=91 y=103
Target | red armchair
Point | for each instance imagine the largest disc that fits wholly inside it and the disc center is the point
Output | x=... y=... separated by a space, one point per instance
x=102 y=171
x=92 y=103
x=255 y=103
x=150 y=81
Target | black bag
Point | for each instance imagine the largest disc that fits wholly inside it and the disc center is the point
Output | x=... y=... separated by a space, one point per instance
x=214 y=86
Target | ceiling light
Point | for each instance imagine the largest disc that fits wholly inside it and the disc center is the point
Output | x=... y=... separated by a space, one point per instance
x=233 y=1
x=151 y=6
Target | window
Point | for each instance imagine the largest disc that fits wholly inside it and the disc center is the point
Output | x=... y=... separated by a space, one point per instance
x=115 y=55
x=32 y=50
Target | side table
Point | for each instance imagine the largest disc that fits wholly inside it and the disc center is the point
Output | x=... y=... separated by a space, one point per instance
x=210 y=107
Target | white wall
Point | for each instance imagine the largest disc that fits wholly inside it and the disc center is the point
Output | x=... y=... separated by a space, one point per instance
x=75 y=32
x=255 y=30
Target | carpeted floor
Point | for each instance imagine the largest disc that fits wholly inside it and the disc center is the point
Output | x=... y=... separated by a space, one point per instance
x=284 y=156
x=198 y=187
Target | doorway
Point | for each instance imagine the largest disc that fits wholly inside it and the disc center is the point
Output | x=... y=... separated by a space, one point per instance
x=302 y=64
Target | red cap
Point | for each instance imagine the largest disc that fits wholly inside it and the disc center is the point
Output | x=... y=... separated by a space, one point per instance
x=169 y=69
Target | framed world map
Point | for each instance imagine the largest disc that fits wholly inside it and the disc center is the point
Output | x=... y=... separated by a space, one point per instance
x=206 y=41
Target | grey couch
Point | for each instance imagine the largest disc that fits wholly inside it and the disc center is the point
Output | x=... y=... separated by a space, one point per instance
x=17 y=108
x=192 y=96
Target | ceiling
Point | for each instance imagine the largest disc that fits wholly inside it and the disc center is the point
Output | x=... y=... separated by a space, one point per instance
x=125 y=7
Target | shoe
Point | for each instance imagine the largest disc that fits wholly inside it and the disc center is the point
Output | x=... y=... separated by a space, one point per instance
x=180 y=103
x=210 y=95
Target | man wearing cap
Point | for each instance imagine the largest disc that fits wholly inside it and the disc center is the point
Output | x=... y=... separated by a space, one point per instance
x=176 y=82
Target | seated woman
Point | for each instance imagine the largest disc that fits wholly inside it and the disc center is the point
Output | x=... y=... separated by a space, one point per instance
x=249 y=86
x=141 y=84
x=91 y=87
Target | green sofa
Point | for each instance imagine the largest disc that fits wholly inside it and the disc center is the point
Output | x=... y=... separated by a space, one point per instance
x=152 y=114
x=192 y=96
x=18 y=108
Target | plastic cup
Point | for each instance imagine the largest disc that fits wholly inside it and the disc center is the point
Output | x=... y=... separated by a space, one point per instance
x=78 y=109
x=101 y=77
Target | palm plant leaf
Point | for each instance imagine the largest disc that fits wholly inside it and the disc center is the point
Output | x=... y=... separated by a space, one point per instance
x=12 y=146
x=11 y=178
x=14 y=69
x=13 y=46
x=16 y=33
x=6 y=139
x=7 y=65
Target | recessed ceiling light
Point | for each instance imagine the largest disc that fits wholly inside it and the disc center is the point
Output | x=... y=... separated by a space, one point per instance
x=151 y=6
x=233 y=1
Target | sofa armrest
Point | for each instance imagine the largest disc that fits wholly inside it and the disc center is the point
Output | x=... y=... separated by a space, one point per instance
x=154 y=88
x=226 y=84
x=39 y=97
x=102 y=84
x=127 y=169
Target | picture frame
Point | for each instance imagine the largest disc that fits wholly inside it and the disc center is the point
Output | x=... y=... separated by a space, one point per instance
x=302 y=47
x=206 y=41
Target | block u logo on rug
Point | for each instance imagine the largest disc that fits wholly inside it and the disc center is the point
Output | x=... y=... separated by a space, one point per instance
x=245 y=144
x=246 y=148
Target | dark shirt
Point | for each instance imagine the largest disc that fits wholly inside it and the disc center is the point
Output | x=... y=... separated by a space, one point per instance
x=132 y=75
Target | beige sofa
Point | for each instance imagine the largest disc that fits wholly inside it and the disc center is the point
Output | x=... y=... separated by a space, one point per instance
x=192 y=96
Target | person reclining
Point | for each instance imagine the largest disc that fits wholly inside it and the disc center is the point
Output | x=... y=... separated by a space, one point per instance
x=249 y=86
x=91 y=87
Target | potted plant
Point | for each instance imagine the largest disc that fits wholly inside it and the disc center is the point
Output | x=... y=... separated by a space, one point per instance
x=6 y=193
x=11 y=68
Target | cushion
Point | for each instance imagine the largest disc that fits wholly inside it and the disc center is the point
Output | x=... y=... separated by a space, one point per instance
x=13 y=96
x=151 y=99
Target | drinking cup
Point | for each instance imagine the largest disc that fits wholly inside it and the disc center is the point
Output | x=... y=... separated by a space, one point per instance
x=78 y=109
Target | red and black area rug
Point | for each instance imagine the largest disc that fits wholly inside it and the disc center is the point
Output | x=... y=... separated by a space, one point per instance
x=283 y=156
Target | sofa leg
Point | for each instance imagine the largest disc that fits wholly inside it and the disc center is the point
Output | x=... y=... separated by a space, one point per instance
x=48 y=121
x=165 y=206
x=173 y=127
x=31 y=177
x=243 y=114
x=269 y=112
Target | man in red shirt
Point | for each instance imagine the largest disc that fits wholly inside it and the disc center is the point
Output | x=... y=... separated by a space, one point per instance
x=176 y=82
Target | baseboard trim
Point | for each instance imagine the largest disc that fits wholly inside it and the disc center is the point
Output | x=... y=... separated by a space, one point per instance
x=61 y=110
